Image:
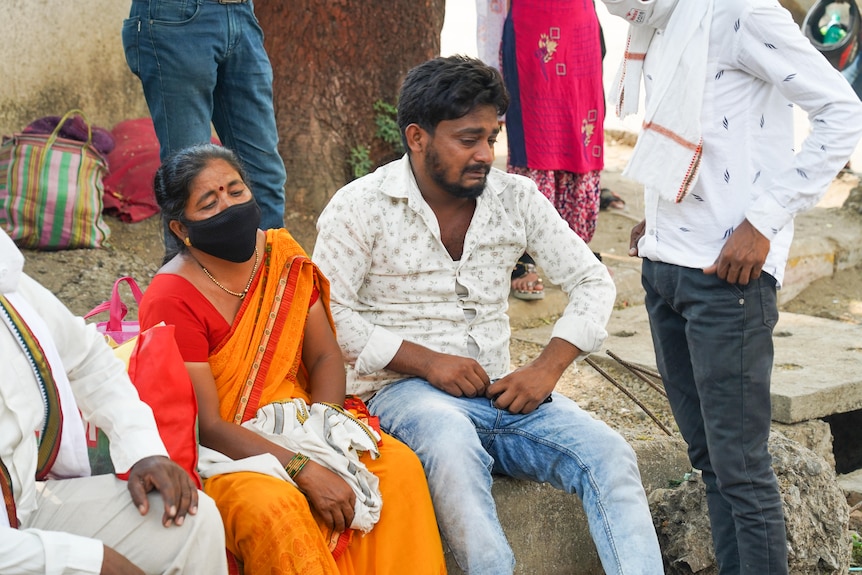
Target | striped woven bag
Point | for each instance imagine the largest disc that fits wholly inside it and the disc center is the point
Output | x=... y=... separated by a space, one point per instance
x=51 y=190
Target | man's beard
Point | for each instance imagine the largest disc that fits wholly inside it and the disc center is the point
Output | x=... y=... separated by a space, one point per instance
x=438 y=175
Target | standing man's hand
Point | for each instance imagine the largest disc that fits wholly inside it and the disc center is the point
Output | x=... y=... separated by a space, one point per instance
x=742 y=257
x=171 y=481
x=637 y=233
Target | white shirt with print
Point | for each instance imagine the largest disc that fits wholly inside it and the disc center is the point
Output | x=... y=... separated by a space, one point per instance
x=393 y=280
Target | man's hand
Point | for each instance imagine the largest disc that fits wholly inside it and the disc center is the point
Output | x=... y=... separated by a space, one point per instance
x=114 y=563
x=637 y=233
x=329 y=495
x=525 y=389
x=742 y=257
x=457 y=376
x=171 y=481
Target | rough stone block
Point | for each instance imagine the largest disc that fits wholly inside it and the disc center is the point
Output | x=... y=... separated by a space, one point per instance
x=814 y=435
x=851 y=484
x=547 y=528
x=816 y=516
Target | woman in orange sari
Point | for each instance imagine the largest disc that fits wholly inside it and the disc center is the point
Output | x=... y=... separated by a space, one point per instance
x=254 y=328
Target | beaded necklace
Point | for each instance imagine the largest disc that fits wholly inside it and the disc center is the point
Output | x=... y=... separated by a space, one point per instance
x=240 y=295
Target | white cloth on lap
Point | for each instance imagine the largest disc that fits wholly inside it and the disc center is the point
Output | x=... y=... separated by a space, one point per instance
x=327 y=435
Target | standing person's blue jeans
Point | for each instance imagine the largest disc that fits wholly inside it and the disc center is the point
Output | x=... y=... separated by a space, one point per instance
x=713 y=344
x=462 y=441
x=200 y=61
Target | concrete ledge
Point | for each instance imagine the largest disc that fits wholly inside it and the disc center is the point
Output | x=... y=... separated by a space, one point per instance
x=547 y=528
x=825 y=240
x=816 y=369
x=809 y=260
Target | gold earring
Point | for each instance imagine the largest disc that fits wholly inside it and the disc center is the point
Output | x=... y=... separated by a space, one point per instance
x=188 y=242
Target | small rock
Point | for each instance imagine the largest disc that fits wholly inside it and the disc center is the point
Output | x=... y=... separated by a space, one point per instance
x=816 y=516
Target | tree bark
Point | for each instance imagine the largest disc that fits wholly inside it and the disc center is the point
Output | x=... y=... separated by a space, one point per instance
x=332 y=59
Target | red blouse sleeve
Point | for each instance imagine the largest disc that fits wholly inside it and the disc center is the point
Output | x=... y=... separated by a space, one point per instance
x=175 y=301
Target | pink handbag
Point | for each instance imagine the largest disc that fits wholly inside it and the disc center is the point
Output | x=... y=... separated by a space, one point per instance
x=115 y=329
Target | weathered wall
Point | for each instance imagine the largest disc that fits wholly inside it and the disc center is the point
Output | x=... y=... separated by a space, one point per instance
x=58 y=55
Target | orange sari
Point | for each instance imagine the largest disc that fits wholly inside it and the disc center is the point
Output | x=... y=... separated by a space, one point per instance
x=269 y=524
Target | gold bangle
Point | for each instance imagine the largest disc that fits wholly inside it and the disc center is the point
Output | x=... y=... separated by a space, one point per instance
x=296 y=464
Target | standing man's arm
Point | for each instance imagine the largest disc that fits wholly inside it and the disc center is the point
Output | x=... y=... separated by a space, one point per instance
x=771 y=48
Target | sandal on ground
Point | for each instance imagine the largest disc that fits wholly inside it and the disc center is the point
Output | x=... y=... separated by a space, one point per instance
x=534 y=288
x=609 y=200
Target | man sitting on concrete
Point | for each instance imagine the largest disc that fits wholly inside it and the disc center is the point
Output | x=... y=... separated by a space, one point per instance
x=419 y=255
x=55 y=518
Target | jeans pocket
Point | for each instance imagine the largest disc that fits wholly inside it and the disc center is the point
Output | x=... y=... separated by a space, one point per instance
x=131 y=42
x=173 y=12
x=768 y=299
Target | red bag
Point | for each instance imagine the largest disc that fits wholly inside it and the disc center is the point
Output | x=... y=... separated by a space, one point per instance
x=157 y=369
x=131 y=168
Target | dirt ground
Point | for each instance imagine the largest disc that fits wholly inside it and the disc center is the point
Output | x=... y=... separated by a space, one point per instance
x=83 y=278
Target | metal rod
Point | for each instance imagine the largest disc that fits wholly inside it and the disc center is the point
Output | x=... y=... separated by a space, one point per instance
x=638 y=372
x=629 y=394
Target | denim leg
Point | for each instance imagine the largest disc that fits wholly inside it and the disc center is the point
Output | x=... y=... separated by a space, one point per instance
x=441 y=430
x=460 y=441
x=178 y=49
x=243 y=115
x=713 y=343
x=561 y=444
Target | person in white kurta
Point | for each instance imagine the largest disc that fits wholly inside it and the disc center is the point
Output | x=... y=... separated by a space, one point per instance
x=68 y=522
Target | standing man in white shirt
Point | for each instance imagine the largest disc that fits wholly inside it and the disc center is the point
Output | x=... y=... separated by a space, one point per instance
x=55 y=519
x=722 y=185
x=419 y=256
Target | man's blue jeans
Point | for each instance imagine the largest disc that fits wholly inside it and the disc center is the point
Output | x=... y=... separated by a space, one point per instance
x=199 y=62
x=713 y=344
x=462 y=441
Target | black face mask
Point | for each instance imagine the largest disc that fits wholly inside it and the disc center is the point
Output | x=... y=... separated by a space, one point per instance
x=230 y=234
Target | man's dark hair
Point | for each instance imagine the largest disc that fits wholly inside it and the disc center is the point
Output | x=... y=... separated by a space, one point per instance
x=447 y=89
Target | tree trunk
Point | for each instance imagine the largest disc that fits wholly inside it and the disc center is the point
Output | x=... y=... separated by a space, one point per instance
x=332 y=60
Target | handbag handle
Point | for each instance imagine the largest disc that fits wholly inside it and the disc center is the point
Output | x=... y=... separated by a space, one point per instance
x=115 y=305
x=73 y=112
